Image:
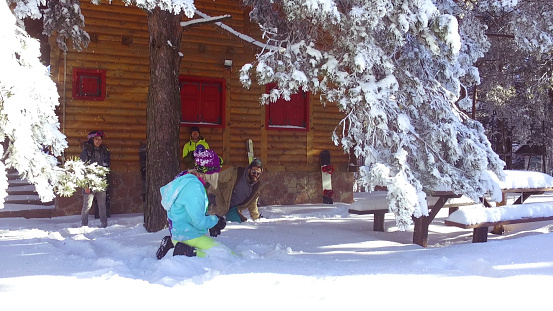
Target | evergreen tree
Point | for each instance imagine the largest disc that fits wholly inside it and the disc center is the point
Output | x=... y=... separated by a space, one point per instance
x=29 y=127
x=516 y=90
x=394 y=68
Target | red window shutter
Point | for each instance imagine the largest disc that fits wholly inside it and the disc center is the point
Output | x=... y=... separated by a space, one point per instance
x=292 y=113
x=296 y=110
x=190 y=101
x=277 y=113
x=211 y=103
x=203 y=101
x=89 y=85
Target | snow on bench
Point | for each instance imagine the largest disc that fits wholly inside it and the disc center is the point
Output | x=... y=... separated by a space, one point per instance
x=480 y=218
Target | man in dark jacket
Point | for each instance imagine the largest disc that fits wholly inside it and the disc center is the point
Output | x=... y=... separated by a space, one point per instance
x=95 y=152
x=237 y=190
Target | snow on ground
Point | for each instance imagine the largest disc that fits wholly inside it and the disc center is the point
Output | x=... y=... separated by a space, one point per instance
x=303 y=256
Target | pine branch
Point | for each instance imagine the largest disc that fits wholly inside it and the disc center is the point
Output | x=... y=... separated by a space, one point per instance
x=241 y=35
x=204 y=20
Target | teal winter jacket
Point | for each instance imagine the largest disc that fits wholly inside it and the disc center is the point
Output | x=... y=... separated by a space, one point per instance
x=185 y=200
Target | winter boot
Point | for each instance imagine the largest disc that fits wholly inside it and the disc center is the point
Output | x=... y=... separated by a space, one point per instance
x=164 y=247
x=184 y=249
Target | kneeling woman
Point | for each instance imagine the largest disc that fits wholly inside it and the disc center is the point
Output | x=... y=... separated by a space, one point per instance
x=186 y=202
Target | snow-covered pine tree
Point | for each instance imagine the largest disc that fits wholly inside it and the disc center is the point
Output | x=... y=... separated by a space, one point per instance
x=517 y=72
x=29 y=127
x=394 y=68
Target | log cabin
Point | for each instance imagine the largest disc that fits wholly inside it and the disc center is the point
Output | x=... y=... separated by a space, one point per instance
x=105 y=87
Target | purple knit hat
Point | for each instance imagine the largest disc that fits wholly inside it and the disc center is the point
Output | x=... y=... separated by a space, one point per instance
x=207 y=160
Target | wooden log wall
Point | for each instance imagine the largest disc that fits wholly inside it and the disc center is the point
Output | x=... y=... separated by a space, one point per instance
x=119 y=44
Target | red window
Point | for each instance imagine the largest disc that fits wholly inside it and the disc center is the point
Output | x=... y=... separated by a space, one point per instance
x=293 y=114
x=89 y=84
x=202 y=100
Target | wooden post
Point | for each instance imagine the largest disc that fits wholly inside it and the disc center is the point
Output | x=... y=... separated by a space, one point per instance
x=498 y=230
x=378 y=224
x=420 y=234
x=480 y=235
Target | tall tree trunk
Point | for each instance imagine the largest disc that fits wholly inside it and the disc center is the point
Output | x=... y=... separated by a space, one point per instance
x=163 y=112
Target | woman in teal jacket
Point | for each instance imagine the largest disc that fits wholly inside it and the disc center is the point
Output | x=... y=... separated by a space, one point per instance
x=186 y=202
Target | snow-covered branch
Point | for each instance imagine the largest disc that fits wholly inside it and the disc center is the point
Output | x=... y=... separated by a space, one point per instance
x=241 y=35
x=205 y=20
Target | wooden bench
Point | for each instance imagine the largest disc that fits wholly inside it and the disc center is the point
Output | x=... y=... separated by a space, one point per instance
x=372 y=203
x=379 y=214
x=375 y=203
x=481 y=218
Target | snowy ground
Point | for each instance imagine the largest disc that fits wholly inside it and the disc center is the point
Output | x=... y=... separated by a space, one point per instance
x=306 y=256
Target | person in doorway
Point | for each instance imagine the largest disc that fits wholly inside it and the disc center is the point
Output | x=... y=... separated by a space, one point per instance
x=238 y=190
x=188 y=150
x=186 y=202
x=94 y=151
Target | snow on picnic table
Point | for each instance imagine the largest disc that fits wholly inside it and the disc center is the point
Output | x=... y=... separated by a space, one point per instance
x=523 y=180
x=475 y=214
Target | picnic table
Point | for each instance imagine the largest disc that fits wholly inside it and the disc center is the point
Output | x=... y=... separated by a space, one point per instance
x=522 y=183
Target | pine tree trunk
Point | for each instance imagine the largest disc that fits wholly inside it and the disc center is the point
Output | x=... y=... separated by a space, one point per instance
x=163 y=112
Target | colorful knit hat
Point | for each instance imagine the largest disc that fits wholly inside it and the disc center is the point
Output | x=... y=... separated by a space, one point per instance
x=95 y=134
x=207 y=160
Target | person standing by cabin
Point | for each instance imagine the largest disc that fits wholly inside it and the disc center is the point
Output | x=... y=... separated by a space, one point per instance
x=95 y=152
x=188 y=150
x=238 y=189
x=186 y=202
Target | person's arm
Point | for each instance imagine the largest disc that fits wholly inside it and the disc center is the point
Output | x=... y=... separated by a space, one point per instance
x=186 y=149
x=84 y=155
x=195 y=205
x=107 y=157
x=252 y=207
x=225 y=184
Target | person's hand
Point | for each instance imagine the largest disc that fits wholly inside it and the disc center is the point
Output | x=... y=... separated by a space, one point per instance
x=258 y=218
x=220 y=225
x=214 y=232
